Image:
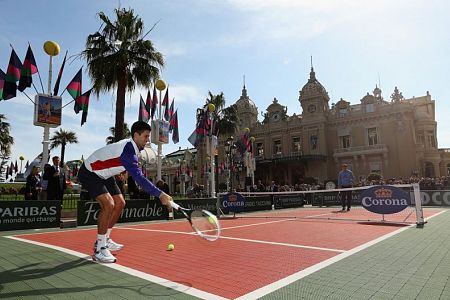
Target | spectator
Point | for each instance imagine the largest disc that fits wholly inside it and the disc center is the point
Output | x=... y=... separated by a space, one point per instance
x=56 y=181
x=33 y=185
x=44 y=183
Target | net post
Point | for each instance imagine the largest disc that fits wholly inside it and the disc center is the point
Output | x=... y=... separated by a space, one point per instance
x=418 y=205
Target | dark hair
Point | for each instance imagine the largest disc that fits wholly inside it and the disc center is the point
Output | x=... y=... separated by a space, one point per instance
x=139 y=127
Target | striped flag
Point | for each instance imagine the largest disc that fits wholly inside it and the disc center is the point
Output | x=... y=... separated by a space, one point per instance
x=174 y=126
x=29 y=68
x=165 y=103
x=58 y=80
x=143 y=113
x=12 y=76
x=74 y=87
x=2 y=82
x=82 y=103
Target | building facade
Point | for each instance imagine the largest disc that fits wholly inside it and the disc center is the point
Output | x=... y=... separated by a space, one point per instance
x=395 y=137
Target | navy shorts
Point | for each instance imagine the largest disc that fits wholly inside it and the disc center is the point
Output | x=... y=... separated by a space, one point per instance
x=96 y=185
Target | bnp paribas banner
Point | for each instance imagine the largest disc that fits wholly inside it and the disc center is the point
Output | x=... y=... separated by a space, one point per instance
x=15 y=215
x=134 y=211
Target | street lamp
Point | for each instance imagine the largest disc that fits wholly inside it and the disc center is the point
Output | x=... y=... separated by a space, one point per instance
x=230 y=150
x=160 y=86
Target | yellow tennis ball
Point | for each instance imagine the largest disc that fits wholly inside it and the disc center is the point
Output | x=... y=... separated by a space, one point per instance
x=211 y=220
x=170 y=247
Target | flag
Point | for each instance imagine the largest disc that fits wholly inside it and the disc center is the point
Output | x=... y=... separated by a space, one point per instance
x=11 y=169
x=154 y=102
x=143 y=113
x=171 y=109
x=27 y=164
x=74 y=87
x=16 y=169
x=174 y=126
x=29 y=68
x=12 y=76
x=7 y=172
x=58 y=80
x=82 y=103
x=201 y=129
x=166 y=105
x=148 y=103
x=2 y=83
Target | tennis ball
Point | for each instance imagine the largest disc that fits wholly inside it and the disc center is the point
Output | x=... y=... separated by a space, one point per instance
x=211 y=220
x=170 y=247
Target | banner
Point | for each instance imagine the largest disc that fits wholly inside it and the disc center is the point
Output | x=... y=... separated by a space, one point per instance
x=33 y=214
x=235 y=202
x=134 y=211
x=288 y=201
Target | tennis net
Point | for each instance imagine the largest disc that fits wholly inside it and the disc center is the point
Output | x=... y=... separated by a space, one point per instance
x=381 y=204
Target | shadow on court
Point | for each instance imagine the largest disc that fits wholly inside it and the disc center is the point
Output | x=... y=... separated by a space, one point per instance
x=41 y=279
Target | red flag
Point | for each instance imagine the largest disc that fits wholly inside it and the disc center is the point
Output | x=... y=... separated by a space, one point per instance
x=58 y=80
x=171 y=109
x=29 y=68
x=12 y=76
x=143 y=113
x=16 y=169
x=154 y=102
x=74 y=87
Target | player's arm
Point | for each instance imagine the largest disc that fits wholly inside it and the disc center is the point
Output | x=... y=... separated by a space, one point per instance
x=130 y=162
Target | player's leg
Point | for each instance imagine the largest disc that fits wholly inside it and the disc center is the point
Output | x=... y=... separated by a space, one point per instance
x=119 y=204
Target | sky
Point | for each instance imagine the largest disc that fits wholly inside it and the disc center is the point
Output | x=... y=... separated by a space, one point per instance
x=209 y=45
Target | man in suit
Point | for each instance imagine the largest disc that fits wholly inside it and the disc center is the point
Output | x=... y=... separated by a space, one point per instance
x=56 y=181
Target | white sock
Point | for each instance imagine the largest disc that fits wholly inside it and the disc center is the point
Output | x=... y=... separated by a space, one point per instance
x=101 y=241
x=108 y=233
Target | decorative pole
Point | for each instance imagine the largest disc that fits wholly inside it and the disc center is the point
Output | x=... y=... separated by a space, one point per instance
x=252 y=161
x=21 y=160
x=160 y=86
x=52 y=49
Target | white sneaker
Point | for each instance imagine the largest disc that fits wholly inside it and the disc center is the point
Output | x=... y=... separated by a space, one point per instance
x=104 y=256
x=113 y=246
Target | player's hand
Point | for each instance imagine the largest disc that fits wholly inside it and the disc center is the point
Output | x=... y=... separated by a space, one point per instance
x=165 y=200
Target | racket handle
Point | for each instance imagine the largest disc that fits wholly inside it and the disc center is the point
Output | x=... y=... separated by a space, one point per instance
x=174 y=205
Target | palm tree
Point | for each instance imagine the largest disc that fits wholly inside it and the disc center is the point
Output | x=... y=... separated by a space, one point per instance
x=111 y=139
x=225 y=117
x=6 y=140
x=119 y=57
x=62 y=138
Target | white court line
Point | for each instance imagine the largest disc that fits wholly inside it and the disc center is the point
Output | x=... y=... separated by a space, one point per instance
x=155 y=279
x=305 y=272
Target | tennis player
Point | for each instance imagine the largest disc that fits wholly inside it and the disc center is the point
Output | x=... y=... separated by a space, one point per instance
x=97 y=176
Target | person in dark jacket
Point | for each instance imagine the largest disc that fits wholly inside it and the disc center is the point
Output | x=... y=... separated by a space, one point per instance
x=33 y=185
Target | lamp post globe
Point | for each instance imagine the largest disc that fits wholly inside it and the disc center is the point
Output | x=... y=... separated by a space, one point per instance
x=160 y=85
x=51 y=48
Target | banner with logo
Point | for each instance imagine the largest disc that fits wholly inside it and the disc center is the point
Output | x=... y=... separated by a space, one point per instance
x=209 y=204
x=134 y=211
x=235 y=202
x=288 y=201
x=16 y=215
x=385 y=199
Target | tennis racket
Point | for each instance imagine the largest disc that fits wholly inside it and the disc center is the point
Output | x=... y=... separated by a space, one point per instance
x=204 y=223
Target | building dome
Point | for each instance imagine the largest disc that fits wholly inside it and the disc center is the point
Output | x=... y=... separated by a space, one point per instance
x=148 y=156
x=313 y=88
x=245 y=104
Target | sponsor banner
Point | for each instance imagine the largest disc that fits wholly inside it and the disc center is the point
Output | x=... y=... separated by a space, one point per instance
x=435 y=198
x=385 y=199
x=333 y=198
x=235 y=202
x=134 y=211
x=209 y=204
x=288 y=201
x=16 y=215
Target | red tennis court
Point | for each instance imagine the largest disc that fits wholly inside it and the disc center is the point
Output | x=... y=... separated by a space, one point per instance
x=251 y=254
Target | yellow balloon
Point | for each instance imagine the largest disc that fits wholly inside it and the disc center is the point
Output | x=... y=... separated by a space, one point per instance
x=51 y=48
x=211 y=107
x=160 y=84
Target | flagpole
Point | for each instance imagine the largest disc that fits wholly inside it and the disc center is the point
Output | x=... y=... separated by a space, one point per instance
x=160 y=86
x=52 y=49
x=211 y=109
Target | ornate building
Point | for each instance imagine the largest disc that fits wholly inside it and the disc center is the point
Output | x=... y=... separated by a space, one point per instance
x=395 y=138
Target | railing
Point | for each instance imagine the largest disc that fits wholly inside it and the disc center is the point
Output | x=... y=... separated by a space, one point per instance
x=371 y=148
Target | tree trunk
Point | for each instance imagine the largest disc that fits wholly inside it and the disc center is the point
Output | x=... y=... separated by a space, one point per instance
x=63 y=151
x=120 y=107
